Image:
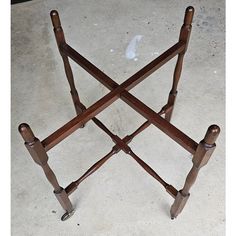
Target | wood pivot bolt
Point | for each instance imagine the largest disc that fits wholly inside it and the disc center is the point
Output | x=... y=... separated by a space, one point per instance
x=201 y=151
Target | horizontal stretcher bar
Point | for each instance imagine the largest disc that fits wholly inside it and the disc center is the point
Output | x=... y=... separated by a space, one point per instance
x=119 y=91
x=174 y=133
x=134 y=79
x=101 y=104
x=121 y=144
x=72 y=187
x=181 y=138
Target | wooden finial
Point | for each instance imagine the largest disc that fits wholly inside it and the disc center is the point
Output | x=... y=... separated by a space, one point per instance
x=212 y=134
x=55 y=19
x=188 y=15
x=26 y=132
x=58 y=31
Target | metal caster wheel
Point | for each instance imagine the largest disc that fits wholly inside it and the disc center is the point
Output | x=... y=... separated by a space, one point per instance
x=67 y=215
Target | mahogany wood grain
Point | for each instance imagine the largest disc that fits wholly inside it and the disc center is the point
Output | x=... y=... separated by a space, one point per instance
x=39 y=155
x=121 y=144
x=97 y=107
x=60 y=38
x=201 y=151
x=183 y=37
x=201 y=157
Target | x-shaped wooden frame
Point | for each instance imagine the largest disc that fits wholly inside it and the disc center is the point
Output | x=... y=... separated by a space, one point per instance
x=201 y=151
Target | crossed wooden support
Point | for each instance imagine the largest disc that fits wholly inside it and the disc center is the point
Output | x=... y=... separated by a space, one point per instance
x=201 y=151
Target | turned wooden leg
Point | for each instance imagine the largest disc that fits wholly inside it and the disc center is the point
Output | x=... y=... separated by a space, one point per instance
x=40 y=156
x=60 y=38
x=184 y=37
x=201 y=157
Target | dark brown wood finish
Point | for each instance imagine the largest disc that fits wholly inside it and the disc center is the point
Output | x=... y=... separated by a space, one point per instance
x=201 y=152
x=40 y=156
x=183 y=37
x=121 y=144
x=121 y=90
x=60 y=38
x=201 y=157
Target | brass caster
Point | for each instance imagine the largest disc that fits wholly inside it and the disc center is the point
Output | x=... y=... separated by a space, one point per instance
x=67 y=215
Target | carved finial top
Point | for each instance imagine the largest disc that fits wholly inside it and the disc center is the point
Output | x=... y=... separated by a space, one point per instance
x=55 y=19
x=26 y=132
x=212 y=134
x=188 y=15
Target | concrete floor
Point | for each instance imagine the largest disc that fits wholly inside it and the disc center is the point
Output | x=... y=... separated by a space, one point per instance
x=120 y=198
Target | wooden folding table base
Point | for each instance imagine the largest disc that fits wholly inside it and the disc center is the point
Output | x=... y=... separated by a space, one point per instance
x=201 y=151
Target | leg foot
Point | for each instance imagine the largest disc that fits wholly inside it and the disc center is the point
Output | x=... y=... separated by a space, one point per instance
x=178 y=205
x=65 y=202
x=67 y=215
